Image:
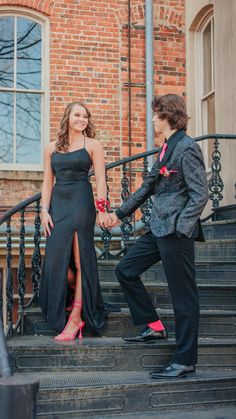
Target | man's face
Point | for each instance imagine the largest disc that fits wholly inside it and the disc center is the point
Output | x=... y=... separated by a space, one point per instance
x=160 y=125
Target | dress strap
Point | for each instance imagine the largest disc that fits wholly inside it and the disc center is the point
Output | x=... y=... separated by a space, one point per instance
x=84 y=140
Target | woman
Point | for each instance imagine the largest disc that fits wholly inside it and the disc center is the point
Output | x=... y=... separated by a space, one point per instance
x=68 y=217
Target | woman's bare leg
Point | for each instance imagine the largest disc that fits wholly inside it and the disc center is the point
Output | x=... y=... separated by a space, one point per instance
x=71 y=277
x=77 y=308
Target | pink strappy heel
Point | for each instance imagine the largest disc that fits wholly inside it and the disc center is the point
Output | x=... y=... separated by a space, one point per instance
x=64 y=335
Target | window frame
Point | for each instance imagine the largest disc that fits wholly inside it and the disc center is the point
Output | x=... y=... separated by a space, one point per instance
x=200 y=97
x=45 y=83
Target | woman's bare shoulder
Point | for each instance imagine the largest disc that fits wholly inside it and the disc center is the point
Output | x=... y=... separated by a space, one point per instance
x=50 y=148
x=94 y=144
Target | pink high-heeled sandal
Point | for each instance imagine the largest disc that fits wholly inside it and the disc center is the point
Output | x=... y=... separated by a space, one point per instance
x=64 y=335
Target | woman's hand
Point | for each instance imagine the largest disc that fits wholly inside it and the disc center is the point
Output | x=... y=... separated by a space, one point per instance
x=47 y=223
x=103 y=220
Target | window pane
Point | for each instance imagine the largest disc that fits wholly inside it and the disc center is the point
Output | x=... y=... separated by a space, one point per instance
x=208 y=118
x=211 y=125
x=211 y=114
x=207 y=64
x=6 y=51
x=6 y=127
x=28 y=54
x=28 y=128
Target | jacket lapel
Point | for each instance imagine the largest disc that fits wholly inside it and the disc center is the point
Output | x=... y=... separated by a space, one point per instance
x=172 y=142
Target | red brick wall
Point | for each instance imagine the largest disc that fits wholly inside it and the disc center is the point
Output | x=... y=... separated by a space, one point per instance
x=89 y=61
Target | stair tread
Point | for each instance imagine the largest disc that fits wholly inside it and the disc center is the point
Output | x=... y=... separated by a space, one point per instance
x=216 y=240
x=48 y=342
x=219 y=222
x=114 y=262
x=227 y=412
x=163 y=284
x=125 y=311
x=122 y=378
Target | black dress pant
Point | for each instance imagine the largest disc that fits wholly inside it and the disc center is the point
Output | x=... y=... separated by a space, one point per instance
x=177 y=255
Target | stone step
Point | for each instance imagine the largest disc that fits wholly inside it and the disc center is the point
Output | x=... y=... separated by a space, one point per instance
x=42 y=353
x=216 y=250
x=206 y=272
x=213 y=250
x=213 y=296
x=224 y=229
x=81 y=394
x=220 y=249
x=213 y=323
x=227 y=212
x=226 y=412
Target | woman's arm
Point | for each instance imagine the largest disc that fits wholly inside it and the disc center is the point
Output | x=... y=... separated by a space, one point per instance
x=98 y=160
x=99 y=169
x=48 y=179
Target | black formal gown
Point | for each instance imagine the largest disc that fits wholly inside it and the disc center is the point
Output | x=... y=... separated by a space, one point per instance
x=72 y=210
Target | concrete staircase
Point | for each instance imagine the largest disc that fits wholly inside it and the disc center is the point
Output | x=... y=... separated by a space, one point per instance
x=106 y=377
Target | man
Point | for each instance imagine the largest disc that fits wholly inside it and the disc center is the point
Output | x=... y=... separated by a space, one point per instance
x=179 y=185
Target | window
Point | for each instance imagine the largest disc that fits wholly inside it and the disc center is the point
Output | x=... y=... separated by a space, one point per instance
x=205 y=89
x=22 y=92
x=208 y=92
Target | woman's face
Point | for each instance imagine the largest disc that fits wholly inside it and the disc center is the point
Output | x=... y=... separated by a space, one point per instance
x=78 y=119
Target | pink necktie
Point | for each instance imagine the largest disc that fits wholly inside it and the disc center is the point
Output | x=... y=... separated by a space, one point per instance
x=163 y=151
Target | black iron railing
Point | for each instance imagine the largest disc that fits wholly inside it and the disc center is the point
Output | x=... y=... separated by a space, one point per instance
x=23 y=221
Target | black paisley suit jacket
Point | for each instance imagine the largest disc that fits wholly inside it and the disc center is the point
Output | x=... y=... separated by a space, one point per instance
x=179 y=198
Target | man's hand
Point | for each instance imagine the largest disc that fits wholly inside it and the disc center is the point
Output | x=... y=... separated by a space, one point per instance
x=114 y=220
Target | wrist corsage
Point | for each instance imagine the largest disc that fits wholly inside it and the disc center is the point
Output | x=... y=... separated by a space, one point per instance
x=102 y=205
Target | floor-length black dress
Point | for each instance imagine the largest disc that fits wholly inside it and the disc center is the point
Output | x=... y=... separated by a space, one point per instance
x=72 y=210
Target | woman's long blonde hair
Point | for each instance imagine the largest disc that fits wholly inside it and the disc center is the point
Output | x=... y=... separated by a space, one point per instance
x=62 y=143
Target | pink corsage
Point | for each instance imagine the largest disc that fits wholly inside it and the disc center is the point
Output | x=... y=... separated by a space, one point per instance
x=102 y=205
x=165 y=172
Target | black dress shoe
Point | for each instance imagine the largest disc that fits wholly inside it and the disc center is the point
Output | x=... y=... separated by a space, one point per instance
x=173 y=371
x=147 y=334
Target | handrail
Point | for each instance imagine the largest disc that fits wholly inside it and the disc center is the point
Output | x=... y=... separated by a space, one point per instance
x=19 y=207
x=126 y=160
x=216 y=136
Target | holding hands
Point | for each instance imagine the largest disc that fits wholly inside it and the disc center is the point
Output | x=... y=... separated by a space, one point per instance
x=103 y=220
x=107 y=220
x=114 y=220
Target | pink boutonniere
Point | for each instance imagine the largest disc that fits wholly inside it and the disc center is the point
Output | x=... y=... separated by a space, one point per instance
x=165 y=172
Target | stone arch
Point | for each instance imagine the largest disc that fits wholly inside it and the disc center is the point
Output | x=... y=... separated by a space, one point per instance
x=164 y=15
x=43 y=6
x=201 y=17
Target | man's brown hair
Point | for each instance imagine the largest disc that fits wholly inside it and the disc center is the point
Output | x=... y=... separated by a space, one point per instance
x=171 y=107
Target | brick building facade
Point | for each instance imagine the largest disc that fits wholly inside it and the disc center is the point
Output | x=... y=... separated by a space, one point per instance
x=86 y=57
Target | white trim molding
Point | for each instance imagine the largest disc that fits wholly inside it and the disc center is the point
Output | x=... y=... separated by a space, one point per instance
x=44 y=91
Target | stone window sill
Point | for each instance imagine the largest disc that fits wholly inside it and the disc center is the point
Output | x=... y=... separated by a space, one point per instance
x=21 y=175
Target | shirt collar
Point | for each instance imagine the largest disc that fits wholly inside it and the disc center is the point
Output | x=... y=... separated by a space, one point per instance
x=177 y=134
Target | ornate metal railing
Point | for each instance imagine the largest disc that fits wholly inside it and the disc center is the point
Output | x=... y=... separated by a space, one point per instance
x=23 y=222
